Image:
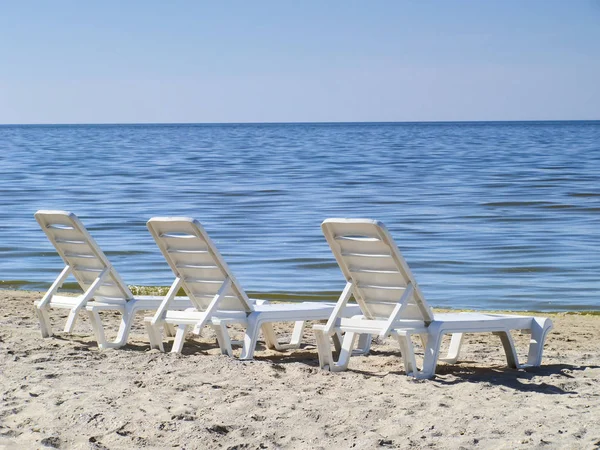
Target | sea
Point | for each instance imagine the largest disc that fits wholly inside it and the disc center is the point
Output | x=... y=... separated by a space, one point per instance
x=488 y=215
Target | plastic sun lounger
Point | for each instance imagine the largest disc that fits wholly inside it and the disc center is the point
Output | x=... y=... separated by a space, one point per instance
x=392 y=305
x=217 y=296
x=103 y=288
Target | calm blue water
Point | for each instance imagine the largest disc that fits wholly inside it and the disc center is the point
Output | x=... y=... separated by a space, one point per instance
x=488 y=215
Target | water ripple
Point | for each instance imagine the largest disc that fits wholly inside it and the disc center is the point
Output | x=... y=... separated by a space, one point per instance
x=488 y=215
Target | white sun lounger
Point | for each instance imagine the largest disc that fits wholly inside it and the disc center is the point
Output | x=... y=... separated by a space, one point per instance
x=217 y=296
x=392 y=305
x=103 y=288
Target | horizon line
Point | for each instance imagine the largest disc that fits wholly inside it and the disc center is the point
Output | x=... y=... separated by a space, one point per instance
x=295 y=123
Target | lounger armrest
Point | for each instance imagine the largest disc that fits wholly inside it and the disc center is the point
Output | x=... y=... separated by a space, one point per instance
x=55 y=287
x=397 y=312
x=338 y=309
x=91 y=291
x=164 y=306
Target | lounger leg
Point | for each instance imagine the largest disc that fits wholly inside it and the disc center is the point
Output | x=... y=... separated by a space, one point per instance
x=454 y=350
x=362 y=348
x=169 y=329
x=44 y=319
x=270 y=337
x=297 y=334
x=337 y=339
x=223 y=338
x=326 y=361
x=272 y=341
x=179 y=338
x=96 y=322
x=71 y=320
x=432 y=351
x=345 y=353
x=509 y=348
x=408 y=354
x=251 y=337
x=324 y=348
x=364 y=344
x=154 y=336
x=124 y=328
x=539 y=330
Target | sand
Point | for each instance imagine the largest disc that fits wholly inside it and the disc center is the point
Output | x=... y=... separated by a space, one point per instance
x=62 y=392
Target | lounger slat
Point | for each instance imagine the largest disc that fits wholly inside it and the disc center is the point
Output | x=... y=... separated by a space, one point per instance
x=66 y=234
x=189 y=272
x=175 y=251
x=366 y=255
x=85 y=265
x=203 y=281
x=374 y=271
x=95 y=270
x=230 y=303
x=183 y=259
x=383 y=295
x=198 y=267
x=59 y=226
x=176 y=226
x=178 y=236
x=357 y=239
x=70 y=241
x=189 y=244
x=55 y=218
x=361 y=263
x=203 y=298
x=378 y=287
x=374 y=294
x=370 y=247
x=86 y=279
x=380 y=311
x=379 y=278
x=80 y=255
x=355 y=229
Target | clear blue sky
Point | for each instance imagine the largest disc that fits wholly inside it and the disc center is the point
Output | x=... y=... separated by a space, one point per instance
x=282 y=61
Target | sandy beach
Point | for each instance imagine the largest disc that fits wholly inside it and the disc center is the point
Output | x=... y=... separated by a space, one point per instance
x=63 y=392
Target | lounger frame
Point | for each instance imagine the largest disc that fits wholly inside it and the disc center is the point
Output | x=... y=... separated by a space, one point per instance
x=103 y=288
x=393 y=305
x=217 y=297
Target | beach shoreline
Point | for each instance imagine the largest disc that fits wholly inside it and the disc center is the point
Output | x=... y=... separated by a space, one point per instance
x=63 y=392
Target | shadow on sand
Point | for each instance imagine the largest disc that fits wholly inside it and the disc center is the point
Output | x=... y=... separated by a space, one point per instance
x=523 y=380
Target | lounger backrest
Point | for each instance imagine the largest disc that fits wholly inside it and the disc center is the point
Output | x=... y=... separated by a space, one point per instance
x=81 y=253
x=371 y=261
x=194 y=259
